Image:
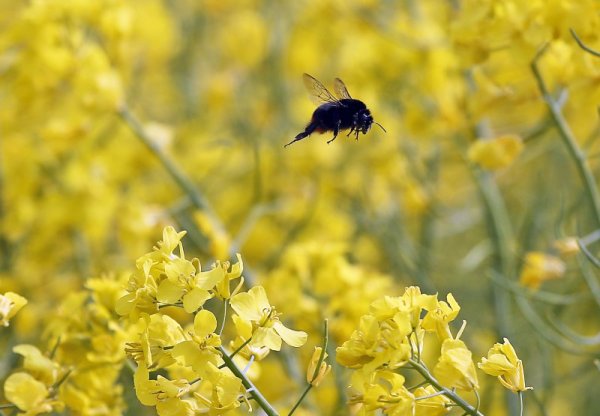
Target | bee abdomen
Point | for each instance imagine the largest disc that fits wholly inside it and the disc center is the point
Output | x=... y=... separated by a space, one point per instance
x=311 y=127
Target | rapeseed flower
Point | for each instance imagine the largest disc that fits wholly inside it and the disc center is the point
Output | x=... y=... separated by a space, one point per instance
x=455 y=367
x=382 y=390
x=158 y=335
x=29 y=394
x=314 y=376
x=37 y=364
x=225 y=391
x=201 y=349
x=566 y=247
x=502 y=362
x=253 y=309
x=438 y=318
x=10 y=304
x=539 y=267
x=162 y=392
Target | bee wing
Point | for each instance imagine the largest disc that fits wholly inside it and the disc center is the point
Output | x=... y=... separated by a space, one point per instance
x=318 y=90
x=340 y=89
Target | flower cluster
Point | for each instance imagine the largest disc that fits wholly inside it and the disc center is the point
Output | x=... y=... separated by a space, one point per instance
x=85 y=355
x=188 y=359
x=395 y=335
x=33 y=389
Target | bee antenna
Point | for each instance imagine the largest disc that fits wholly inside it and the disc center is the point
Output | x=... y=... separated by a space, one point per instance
x=384 y=130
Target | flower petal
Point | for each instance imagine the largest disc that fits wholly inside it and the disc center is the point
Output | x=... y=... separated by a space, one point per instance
x=289 y=336
x=194 y=299
x=204 y=323
x=169 y=292
x=24 y=390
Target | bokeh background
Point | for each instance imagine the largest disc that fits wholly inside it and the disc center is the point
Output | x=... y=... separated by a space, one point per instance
x=120 y=117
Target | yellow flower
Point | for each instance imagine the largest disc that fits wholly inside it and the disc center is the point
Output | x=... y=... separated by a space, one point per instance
x=502 y=362
x=389 y=334
x=438 y=319
x=566 y=247
x=38 y=365
x=159 y=333
x=170 y=241
x=165 y=278
x=180 y=286
x=202 y=348
x=416 y=301
x=539 y=267
x=142 y=288
x=455 y=368
x=497 y=153
x=222 y=287
x=412 y=303
x=383 y=390
x=151 y=392
x=362 y=346
x=225 y=389
x=27 y=393
x=253 y=307
x=10 y=304
x=314 y=376
x=375 y=344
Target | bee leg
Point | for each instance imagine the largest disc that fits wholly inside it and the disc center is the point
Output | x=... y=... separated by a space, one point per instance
x=357 y=134
x=336 y=130
x=350 y=132
x=335 y=133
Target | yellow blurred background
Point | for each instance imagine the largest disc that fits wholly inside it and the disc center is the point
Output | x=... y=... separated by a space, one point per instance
x=118 y=117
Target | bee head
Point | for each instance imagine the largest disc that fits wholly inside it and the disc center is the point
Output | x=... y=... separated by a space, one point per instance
x=363 y=121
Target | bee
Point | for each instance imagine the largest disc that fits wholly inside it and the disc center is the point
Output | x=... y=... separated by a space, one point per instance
x=335 y=114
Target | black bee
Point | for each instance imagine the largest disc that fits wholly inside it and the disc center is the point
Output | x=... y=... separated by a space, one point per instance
x=335 y=114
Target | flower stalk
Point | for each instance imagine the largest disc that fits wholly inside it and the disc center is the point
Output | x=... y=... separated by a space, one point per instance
x=250 y=388
x=566 y=135
x=463 y=404
x=318 y=373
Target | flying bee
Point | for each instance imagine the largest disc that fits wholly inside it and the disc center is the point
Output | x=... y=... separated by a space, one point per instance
x=335 y=114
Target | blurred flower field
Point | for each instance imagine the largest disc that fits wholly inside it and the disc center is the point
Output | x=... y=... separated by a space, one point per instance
x=161 y=252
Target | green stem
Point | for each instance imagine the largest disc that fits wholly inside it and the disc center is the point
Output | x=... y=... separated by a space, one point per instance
x=172 y=169
x=317 y=368
x=429 y=396
x=306 y=390
x=241 y=347
x=233 y=354
x=323 y=350
x=225 y=303
x=521 y=402
x=500 y=230
x=416 y=386
x=467 y=407
x=428 y=223
x=568 y=139
x=254 y=392
x=583 y=45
